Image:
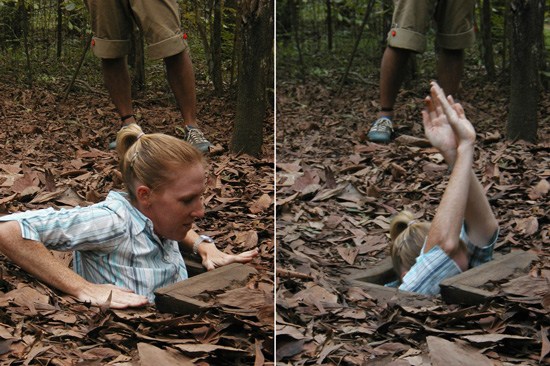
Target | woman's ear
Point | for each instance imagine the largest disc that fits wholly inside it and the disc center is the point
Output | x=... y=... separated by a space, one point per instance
x=143 y=194
x=403 y=275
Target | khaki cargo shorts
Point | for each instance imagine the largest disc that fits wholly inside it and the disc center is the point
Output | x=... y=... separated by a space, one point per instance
x=112 y=27
x=453 y=23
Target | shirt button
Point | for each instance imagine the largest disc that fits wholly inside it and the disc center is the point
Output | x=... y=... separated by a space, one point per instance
x=166 y=258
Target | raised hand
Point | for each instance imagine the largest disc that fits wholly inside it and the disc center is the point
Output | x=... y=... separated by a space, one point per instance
x=462 y=128
x=438 y=130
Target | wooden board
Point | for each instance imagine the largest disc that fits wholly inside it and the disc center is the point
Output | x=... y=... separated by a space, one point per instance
x=193 y=294
x=475 y=286
x=471 y=287
x=379 y=274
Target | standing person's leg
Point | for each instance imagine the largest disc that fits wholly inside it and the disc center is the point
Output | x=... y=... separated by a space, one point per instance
x=181 y=77
x=449 y=70
x=117 y=81
x=160 y=22
x=392 y=72
x=455 y=33
x=410 y=22
x=112 y=28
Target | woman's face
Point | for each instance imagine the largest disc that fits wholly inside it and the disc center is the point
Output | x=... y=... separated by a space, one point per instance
x=174 y=207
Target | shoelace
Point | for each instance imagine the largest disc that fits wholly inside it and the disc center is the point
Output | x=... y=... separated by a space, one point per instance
x=382 y=124
x=195 y=136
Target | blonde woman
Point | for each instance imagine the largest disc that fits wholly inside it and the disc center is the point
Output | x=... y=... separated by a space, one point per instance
x=464 y=229
x=128 y=245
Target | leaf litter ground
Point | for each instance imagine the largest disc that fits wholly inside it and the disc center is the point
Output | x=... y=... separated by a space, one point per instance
x=56 y=155
x=336 y=194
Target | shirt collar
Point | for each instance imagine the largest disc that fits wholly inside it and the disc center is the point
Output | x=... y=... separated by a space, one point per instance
x=140 y=222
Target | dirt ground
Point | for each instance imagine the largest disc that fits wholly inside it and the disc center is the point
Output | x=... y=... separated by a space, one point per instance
x=336 y=193
x=56 y=154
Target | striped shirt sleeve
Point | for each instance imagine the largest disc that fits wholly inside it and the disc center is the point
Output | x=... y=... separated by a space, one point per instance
x=96 y=227
x=428 y=271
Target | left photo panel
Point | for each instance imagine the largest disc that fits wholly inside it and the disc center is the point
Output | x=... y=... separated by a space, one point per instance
x=137 y=182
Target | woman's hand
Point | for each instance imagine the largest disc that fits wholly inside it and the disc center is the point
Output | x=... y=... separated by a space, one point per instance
x=121 y=298
x=463 y=130
x=438 y=130
x=213 y=258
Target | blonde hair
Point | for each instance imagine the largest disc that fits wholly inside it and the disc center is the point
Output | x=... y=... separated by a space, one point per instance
x=407 y=238
x=151 y=159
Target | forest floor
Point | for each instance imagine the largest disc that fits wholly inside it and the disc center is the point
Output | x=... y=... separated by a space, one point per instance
x=336 y=193
x=56 y=154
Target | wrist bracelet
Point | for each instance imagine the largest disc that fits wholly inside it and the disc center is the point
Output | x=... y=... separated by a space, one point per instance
x=199 y=240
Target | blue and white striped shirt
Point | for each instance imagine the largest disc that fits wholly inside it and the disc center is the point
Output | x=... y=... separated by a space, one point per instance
x=113 y=243
x=435 y=266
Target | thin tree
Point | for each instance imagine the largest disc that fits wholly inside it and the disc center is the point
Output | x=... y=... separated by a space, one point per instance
x=329 y=24
x=487 y=41
x=216 y=42
x=527 y=19
x=256 y=49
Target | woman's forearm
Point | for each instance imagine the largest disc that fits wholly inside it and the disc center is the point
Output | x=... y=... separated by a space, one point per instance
x=446 y=225
x=479 y=217
x=37 y=260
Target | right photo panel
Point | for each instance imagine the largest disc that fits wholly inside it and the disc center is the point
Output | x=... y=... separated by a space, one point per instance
x=412 y=180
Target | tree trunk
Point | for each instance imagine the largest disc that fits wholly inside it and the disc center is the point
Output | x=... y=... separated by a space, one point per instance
x=487 y=48
x=59 y=27
x=24 y=19
x=527 y=18
x=295 y=16
x=386 y=19
x=136 y=60
x=236 y=42
x=329 y=24
x=203 y=34
x=216 y=43
x=256 y=49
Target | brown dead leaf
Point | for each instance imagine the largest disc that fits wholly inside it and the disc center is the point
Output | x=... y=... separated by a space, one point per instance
x=153 y=356
x=308 y=126
x=13 y=169
x=445 y=353
x=412 y=141
x=540 y=190
x=261 y=204
x=205 y=348
x=545 y=344
x=527 y=226
x=31 y=129
x=29 y=180
x=527 y=286
x=348 y=254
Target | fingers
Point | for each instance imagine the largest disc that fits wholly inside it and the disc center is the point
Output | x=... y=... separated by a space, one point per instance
x=209 y=265
x=459 y=110
x=224 y=259
x=125 y=300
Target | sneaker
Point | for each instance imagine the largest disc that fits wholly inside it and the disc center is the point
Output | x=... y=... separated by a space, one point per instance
x=381 y=130
x=196 y=138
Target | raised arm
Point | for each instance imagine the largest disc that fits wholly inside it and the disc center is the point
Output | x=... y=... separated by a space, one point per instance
x=479 y=217
x=211 y=256
x=36 y=259
x=447 y=222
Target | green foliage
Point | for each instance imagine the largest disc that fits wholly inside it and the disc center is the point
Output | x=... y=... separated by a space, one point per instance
x=42 y=37
x=302 y=39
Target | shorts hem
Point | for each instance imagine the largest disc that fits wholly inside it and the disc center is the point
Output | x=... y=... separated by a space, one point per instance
x=168 y=47
x=407 y=39
x=105 y=48
x=456 y=41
